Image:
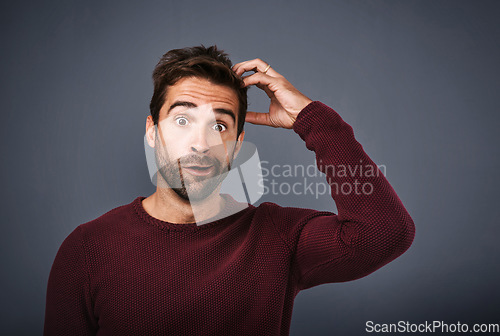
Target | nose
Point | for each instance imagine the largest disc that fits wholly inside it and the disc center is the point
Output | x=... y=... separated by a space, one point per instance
x=199 y=143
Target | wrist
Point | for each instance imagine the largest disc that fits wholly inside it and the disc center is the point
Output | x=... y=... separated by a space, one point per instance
x=304 y=104
x=300 y=106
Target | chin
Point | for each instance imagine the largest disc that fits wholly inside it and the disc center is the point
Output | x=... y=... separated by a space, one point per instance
x=195 y=195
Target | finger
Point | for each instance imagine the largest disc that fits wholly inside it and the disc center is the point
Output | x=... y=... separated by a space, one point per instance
x=239 y=65
x=254 y=65
x=243 y=67
x=263 y=87
x=260 y=83
x=258 y=118
x=259 y=79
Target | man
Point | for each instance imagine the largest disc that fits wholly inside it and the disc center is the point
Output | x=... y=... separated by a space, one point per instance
x=188 y=260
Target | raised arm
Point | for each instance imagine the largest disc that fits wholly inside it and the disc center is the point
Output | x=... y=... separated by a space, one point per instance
x=372 y=227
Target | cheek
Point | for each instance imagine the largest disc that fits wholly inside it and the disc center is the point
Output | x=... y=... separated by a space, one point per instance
x=173 y=145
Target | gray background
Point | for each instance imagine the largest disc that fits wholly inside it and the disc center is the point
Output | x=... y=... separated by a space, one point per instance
x=417 y=80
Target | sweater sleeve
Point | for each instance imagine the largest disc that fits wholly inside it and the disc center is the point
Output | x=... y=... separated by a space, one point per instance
x=372 y=227
x=68 y=305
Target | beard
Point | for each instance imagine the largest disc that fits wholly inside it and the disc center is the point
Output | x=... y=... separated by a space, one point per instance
x=190 y=187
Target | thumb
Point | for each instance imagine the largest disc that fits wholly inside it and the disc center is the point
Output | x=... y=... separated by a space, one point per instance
x=258 y=118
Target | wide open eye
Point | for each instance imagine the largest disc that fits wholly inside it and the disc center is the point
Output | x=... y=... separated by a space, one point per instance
x=219 y=127
x=181 y=121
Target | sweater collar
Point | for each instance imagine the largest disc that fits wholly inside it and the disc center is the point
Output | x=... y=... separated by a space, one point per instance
x=231 y=210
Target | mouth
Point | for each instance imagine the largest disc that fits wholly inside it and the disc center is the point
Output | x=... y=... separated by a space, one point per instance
x=199 y=170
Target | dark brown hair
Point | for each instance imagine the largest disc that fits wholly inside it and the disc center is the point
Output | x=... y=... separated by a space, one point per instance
x=208 y=63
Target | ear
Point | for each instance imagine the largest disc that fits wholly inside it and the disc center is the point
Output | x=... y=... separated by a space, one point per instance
x=239 y=142
x=150 y=132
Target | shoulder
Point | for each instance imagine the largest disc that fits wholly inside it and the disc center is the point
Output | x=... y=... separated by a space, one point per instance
x=113 y=222
x=98 y=239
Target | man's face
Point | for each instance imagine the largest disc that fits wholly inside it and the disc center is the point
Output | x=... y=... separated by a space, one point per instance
x=195 y=139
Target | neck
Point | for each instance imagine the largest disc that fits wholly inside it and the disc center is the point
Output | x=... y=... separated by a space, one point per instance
x=167 y=206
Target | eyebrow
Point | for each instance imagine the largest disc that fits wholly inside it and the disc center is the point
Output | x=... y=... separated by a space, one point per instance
x=193 y=105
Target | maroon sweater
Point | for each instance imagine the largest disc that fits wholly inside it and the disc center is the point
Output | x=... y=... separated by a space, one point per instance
x=127 y=273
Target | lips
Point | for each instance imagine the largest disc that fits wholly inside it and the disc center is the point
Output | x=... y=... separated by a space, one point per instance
x=199 y=170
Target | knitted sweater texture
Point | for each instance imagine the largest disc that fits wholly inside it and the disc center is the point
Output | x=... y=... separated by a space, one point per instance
x=128 y=273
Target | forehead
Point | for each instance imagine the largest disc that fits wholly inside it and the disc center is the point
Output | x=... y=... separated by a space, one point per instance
x=201 y=91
